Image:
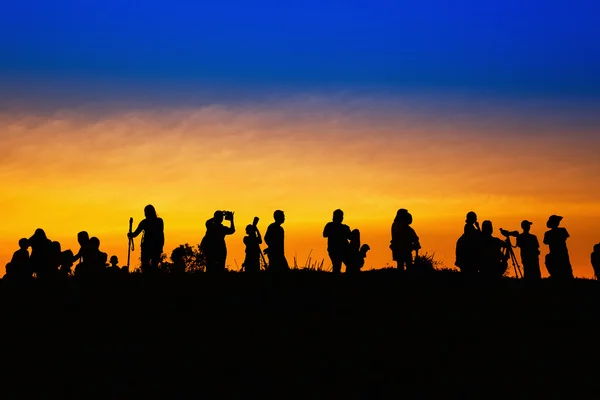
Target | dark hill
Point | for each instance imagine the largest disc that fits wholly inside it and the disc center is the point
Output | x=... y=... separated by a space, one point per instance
x=302 y=335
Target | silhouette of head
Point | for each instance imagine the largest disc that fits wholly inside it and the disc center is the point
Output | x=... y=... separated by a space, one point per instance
x=471 y=217
x=526 y=225
x=218 y=216
x=66 y=258
x=338 y=216
x=177 y=254
x=401 y=215
x=486 y=227
x=56 y=247
x=249 y=229
x=150 y=212
x=23 y=243
x=95 y=242
x=83 y=238
x=114 y=260
x=38 y=236
x=597 y=248
x=553 y=221
x=364 y=248
x=279 y=216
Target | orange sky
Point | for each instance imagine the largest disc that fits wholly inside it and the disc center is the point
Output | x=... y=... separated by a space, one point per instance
x=78 y=169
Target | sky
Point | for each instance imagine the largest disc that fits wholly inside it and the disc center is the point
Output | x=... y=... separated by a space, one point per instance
x=440 y=107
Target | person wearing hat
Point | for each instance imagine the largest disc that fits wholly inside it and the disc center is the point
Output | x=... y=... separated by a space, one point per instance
x=530 y=251
x=557 y=260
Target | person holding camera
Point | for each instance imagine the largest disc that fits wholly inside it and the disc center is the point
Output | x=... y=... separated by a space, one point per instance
x=274 y=238
x=252 y=240
x=213 y=244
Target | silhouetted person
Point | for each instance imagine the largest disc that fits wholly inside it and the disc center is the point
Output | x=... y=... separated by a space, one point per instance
x=86 y=251
x=66 y=263
x=178 y=260
x=252 y=240
x=468 y=246
x=41 y=254
x=493 y=261
x=530 y=252
x=404 y=240
x=355 y=253
x=337 y=235
x=595 y=259
x=55 y=256
x=153 y=239
x=557 y=260
x=274 y=239
x=213 y=244
x=20 y=267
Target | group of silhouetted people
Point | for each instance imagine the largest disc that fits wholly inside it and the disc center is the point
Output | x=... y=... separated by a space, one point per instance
x=478 y=252
x=47 y=261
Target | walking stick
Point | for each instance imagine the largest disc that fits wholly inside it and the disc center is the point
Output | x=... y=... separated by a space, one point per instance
x=130 y=246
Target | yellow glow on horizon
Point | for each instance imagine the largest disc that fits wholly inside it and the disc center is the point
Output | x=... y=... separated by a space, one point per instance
x=76 y=171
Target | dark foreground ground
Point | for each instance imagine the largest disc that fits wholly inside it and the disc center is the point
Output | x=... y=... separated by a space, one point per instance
x=301 y=335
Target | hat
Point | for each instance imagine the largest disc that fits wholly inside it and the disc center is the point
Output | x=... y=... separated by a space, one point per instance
x=526 y=223
x=553 y=221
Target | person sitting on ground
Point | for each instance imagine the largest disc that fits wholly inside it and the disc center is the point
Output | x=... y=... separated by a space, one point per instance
x=355 y=254
x=19 y=264
x=595 y=258
x=86 y=251
x=178 y=260
x=66 y=263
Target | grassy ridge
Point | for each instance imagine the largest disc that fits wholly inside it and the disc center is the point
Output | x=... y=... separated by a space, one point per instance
x=305 y=333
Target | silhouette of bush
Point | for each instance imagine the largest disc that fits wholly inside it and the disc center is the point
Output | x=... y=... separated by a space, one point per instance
x=427 y=262
x=193 y=258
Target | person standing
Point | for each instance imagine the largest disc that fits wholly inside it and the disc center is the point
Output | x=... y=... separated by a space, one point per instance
x=153 y=239
x=558 y=262
x=404 y=240
x=530 y=252
x=338 y=235
x=213 y=244
x=275 y=240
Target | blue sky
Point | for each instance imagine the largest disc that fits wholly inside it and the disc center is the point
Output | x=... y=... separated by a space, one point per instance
x=546 y=48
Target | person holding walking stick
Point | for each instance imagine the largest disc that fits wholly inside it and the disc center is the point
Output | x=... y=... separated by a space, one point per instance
x=153 y=239
x=130 y=245
x=253 y=240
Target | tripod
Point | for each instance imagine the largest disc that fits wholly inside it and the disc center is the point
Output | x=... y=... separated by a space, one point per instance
x=509 y=253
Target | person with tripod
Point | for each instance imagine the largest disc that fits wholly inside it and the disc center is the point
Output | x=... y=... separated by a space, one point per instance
x=530 y=250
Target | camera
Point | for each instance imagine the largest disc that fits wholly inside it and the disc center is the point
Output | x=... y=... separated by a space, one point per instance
x=228 y=215
x=508 y=234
